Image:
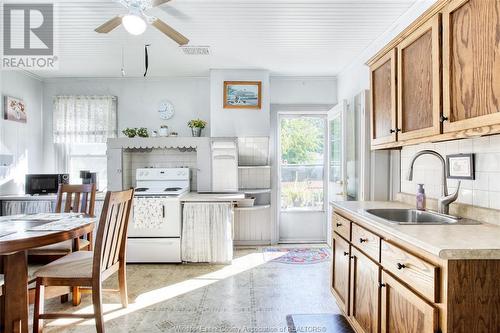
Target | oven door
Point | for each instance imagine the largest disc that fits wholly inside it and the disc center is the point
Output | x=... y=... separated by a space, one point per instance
x=155 y=217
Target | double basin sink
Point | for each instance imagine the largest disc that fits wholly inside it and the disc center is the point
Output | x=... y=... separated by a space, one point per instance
x=413 y=216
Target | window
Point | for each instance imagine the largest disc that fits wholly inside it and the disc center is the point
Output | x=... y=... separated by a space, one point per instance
x=82 y=125
x=91 y=157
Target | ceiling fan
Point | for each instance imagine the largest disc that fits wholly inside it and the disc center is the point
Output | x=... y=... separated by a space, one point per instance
x=137 y=19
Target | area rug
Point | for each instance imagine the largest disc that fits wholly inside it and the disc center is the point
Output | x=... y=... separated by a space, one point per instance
x=324 y=323
x=300 y=256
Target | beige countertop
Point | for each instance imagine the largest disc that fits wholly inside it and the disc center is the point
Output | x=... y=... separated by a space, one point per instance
x=212 y=197
x=445 y=241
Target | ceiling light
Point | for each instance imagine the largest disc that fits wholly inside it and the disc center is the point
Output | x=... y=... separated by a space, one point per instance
x=134 y=24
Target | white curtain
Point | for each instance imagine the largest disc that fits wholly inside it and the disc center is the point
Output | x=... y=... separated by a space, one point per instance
x=207 y=232
x=84 y=119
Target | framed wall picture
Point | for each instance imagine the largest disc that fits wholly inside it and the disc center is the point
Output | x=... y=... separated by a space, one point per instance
x=242 y=94
x=14 y=109
x=460 y=166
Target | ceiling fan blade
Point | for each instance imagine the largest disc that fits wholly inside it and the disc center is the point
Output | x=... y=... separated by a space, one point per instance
x=109 y=25
x=170 y=32
x=156 y=3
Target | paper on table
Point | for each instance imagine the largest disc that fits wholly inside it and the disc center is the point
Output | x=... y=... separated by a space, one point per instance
x=47 y=216
x=63 y=225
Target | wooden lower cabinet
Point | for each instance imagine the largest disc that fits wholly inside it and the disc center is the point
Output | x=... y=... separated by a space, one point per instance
x=365 y=293
x=340 y=272
x=403 y=311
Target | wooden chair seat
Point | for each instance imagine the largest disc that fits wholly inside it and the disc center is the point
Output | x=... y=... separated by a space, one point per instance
x=74 y=265
x=61 y=248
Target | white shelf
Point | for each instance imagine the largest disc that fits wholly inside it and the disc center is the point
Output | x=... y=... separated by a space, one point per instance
x=254 y=166
x=258 y=207
x=255 y=190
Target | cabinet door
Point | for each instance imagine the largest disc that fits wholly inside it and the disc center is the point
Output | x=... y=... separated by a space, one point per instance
x=340 y=272
x=419 y=83
x=365 y=293
x=402 y=311
x=383 y=99
x=471 y=64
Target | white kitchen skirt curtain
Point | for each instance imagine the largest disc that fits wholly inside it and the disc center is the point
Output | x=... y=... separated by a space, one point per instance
x=207 y=232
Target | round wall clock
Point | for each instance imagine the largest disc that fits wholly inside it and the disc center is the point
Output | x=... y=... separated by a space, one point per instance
x=166 y=110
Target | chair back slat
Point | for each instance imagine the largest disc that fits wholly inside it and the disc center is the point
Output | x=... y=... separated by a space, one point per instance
x=112 y=230
x=110 y=254
x=76 y=199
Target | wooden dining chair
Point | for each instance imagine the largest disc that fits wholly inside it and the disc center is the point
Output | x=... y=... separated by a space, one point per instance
x=77 y=199
x=90 y=269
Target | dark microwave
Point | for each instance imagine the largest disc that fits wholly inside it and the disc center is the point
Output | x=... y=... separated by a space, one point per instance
x=45 y=183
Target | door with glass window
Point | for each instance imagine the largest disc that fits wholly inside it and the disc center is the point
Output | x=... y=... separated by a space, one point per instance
x=302 y=174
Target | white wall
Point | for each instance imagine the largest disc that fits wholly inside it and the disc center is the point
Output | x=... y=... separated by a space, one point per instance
x=138 y=101
x=238 y=122
x=303 y=90
x=484 y=191
x=23 y=141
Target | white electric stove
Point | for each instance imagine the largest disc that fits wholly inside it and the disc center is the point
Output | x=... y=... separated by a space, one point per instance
x=154 y=233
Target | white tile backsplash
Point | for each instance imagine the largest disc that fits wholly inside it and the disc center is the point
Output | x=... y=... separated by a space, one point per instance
x=484 y=191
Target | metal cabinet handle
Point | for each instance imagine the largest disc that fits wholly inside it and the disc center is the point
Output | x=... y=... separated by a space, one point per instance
x=401 y=266
x=346 y=253
x=381 y=285
x=442 y=118
x=338 y=224
x=362 y=240
x=163 y=210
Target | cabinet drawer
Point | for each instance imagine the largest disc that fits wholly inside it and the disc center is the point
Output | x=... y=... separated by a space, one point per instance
x=366 y=241
x=342 y=226
x=415 y=272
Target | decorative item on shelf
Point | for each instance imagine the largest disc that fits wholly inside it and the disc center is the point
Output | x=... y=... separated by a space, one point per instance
x=166 y=110
x=154 y=134
x=174 y=134
x=14 y=109
x=142 y=132
x=249 y=201
x=163 y=130
x=130 y=132
x=196 y=126
x=242 y=94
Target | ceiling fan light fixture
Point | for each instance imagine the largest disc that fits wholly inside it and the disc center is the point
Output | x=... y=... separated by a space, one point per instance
x=134 y=24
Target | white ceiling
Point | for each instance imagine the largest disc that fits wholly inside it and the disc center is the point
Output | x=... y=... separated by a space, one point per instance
x=287 y=37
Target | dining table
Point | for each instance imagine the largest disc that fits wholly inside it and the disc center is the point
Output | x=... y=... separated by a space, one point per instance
x=20 y=233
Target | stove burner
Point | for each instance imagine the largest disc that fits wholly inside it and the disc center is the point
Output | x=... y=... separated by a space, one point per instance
x=141 y=189
x=171 y=189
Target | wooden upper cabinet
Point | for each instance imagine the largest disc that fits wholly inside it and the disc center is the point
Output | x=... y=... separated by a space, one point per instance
x=383 y=99
x=419 y=83
x=402 y=311
x=471 y=64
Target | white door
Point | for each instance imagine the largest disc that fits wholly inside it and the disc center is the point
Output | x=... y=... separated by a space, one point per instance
x=303 y=151
x=336 y=137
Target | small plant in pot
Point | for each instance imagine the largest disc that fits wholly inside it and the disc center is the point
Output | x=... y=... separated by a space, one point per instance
x=142 y=132
x=130 y=132
x=196 y=126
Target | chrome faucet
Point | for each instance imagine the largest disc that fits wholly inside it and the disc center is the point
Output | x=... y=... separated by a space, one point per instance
x=445 y=201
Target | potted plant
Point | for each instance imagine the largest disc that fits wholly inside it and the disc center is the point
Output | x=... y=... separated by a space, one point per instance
x=196 y=126
x=130 y=132
x=142 y=132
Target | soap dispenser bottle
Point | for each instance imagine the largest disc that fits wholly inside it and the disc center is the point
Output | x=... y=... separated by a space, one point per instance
x=420 y=197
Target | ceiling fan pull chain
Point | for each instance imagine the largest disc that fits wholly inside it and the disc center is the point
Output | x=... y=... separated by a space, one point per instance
x=146 y=58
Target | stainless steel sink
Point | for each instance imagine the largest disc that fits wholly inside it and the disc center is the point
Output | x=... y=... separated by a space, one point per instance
x=413 y=216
